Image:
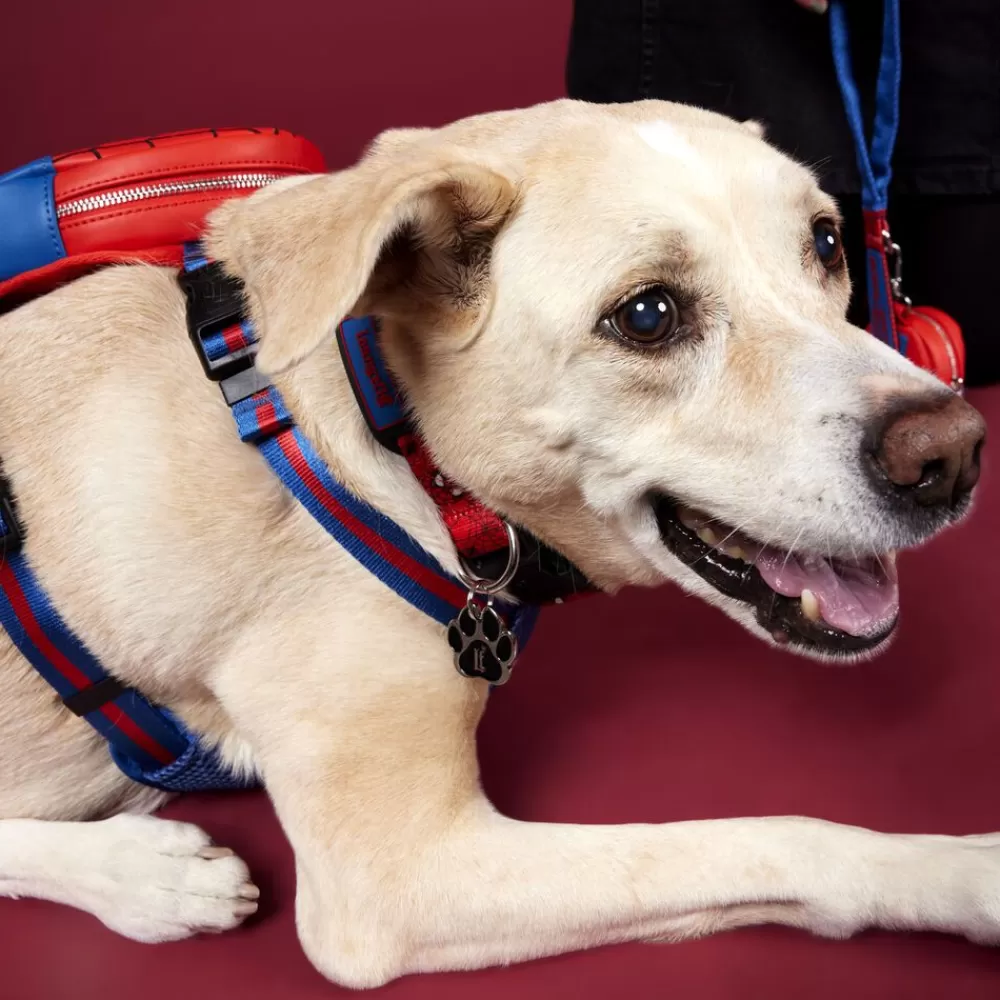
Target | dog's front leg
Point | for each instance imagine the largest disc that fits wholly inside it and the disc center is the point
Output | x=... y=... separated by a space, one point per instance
x=490 y=891
x=404 y=867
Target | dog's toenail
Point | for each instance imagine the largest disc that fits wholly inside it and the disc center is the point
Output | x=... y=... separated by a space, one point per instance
x=250 y=891
x=213 y=851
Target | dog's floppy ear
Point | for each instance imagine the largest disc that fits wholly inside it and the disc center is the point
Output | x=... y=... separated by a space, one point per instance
x=405 y=222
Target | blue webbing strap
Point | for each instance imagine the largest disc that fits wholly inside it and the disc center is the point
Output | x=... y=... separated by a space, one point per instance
x=134 y=728
x=874 y=159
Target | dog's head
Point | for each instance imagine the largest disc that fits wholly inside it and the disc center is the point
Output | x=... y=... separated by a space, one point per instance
x=623 y=328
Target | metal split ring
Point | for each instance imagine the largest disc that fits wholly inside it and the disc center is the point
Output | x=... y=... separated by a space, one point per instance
x=488 y=588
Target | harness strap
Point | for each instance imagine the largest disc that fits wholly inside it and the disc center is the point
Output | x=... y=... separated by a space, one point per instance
x=874 y=160
x=377 y=542
x=225 y=342
x=133 y=727
x=148 y=743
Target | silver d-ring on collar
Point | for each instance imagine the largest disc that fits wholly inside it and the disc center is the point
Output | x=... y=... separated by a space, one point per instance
x=490 y=587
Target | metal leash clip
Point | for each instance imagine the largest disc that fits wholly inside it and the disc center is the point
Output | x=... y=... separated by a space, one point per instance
x=894 y=254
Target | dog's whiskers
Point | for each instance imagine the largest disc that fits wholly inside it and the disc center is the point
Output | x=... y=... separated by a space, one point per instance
x=722 y=541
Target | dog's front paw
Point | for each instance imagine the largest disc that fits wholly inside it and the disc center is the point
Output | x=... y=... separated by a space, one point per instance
x=978 y=888
x=159 y=880
x=949 y=884
x=483 y=645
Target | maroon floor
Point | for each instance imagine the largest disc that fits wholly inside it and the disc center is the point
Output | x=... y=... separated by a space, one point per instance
x=651 y=706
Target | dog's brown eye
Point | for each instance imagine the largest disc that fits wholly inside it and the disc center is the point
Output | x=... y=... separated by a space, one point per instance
x=647 y=319
x=826 y=239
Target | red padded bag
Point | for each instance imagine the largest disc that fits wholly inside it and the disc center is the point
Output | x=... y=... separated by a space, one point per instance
x=137 y=200
x=933 y=341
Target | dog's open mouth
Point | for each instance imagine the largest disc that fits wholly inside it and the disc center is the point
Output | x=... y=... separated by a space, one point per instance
x=831 y=605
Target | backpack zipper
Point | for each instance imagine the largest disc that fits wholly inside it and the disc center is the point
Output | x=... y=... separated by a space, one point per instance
x=146 y=192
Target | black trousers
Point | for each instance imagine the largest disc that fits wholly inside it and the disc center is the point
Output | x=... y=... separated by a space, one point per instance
x=770 y=60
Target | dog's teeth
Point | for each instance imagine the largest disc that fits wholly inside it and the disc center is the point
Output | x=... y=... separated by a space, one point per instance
x=688 y=518
x=810 y=606
x=735 y=552
x=708 y=536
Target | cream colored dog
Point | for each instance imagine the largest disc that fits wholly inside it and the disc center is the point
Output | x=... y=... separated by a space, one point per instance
x=622 y=328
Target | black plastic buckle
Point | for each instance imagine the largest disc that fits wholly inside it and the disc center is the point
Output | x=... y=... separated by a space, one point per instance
x=214 y=301
x=12 y=539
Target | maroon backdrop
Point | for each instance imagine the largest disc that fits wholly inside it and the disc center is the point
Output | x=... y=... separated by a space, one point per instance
x=646 y=707
x=78 y=73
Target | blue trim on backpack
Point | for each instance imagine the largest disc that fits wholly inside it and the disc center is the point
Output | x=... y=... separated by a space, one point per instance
x=29 y=228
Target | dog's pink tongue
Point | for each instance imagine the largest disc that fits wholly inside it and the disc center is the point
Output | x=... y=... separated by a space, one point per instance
x=856 y=597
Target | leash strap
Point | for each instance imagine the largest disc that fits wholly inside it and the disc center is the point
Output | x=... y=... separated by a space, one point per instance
x=225 y=342
x=131 y=725
x=874 y=159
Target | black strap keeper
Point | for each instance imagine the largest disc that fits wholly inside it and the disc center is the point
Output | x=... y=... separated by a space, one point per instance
x=90 y=699
x=214 y=301
x=12 y=539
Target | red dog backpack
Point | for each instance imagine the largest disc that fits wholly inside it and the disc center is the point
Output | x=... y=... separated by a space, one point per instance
x=138 y=200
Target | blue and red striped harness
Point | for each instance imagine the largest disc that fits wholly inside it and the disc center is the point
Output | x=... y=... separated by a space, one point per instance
x=147 y=742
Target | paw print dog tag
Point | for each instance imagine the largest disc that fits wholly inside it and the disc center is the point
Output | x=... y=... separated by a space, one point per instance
x=483 y=645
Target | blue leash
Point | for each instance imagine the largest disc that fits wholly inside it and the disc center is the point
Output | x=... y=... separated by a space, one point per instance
x=875 y=158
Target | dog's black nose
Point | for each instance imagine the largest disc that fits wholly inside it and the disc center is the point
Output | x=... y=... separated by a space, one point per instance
x=928 y=451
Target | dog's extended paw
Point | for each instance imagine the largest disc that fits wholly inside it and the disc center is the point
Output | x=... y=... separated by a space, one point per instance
x=935 y=883
x=977 y=873
x=157 y=880
x=483 y=645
